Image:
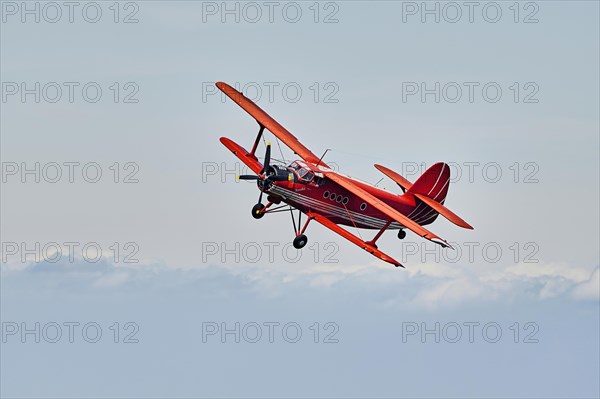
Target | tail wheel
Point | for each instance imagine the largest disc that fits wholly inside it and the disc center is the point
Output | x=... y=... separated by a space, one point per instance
x=300 y=241
x=401 y=234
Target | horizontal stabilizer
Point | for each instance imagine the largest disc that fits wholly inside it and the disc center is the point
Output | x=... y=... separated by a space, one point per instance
x=400 y=180
x=445 y=212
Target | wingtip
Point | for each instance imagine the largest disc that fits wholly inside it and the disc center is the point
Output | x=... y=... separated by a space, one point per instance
x=441 y=242
x=464 y=225
x=223 y=86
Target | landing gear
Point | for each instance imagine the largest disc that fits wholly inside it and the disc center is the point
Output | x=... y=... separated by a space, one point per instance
x=264 y=179
x=401 y=234
x=300 y=241
x=257 y=211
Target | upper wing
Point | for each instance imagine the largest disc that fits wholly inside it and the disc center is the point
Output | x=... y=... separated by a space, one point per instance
x=400 y=180
x=385 y=208
x=269 y=123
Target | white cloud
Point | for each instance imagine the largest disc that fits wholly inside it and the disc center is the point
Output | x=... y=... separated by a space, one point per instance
x=111 y=280
x=589 y=289
x=427 y=285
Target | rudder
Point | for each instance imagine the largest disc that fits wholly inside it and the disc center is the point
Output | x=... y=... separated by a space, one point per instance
x=433 y=183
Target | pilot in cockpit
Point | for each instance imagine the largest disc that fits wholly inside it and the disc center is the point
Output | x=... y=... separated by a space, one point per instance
x=303 y=174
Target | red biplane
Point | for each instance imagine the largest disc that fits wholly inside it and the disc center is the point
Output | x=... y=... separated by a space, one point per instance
x=333 y=199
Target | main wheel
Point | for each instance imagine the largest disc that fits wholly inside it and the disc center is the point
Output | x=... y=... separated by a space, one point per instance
x=300 y=241
x=257 y=211
x=401 y=234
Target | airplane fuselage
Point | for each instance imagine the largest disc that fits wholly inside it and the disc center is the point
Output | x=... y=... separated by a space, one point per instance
x=343 y=207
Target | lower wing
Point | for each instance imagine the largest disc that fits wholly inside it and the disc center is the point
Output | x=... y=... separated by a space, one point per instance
x=370 y=248
x=242 y=154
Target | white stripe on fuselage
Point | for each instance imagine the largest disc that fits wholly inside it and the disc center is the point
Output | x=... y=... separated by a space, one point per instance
x=330 y=209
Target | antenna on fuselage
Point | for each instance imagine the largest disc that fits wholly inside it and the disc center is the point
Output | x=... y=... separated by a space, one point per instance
x=320 y=159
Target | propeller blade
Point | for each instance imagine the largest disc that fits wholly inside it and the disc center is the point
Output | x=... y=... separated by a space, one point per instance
x=248 y=177
x=267 y=158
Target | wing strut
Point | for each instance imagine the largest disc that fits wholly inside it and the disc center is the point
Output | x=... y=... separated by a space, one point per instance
x=370 y=248
x=260 y=133
x=379 y=233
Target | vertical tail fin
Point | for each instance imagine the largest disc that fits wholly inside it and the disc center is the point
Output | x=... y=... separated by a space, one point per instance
x=433 y=183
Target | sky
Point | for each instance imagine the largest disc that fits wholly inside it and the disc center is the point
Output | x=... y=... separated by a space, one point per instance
x=131 y=266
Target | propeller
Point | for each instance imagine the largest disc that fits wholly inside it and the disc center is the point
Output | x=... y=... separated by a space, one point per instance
x=265 y=167
x=268 y=175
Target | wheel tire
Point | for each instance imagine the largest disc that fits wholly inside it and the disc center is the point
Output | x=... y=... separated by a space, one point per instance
x=401 y=234
x=300 y=241
x=256 y=211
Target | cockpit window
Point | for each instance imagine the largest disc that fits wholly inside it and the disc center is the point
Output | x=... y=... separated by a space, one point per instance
x=303 y=173
x=294 y=165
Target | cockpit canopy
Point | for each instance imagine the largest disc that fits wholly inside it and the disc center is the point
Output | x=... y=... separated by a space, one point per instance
x=302 y=171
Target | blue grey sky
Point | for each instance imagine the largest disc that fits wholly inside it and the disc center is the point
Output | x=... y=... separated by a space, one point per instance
x=507 y=93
